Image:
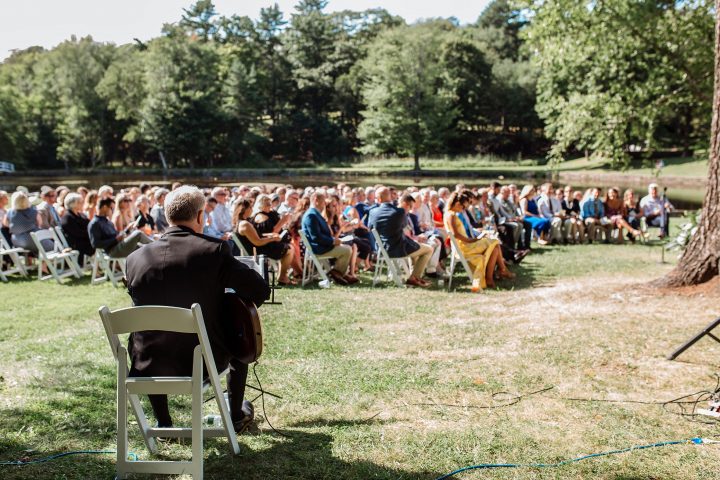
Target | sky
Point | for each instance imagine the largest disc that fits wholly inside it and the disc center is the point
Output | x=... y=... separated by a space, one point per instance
x=46 y=23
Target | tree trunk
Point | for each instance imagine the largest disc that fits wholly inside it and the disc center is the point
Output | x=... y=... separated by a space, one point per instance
x=417 y=159
x=699 y=262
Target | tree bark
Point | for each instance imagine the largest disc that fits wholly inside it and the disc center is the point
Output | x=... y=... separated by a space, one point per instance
x=417 y=158
x=699 y=262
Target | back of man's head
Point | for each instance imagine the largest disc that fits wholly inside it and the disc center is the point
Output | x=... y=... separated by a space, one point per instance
x=316 y=198
x=383 y=194
x=183 y=204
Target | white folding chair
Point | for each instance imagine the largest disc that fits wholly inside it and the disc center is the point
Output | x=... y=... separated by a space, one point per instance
x=170 y=319
x=456 y=256
x=106 y=268
x=61 y=264
x=62 y=240
x=398 y=269
x=16 y=255
x=313 y=265
x=63 y=244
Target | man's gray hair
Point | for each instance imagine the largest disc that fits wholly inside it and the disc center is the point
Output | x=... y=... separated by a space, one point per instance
x=71 y=199
x=183 y=204
x=160 y=192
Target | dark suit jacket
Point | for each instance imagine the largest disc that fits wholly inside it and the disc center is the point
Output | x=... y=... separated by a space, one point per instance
x=75 y=229
x=180 y=269
x=389 y=221
x=317 y=231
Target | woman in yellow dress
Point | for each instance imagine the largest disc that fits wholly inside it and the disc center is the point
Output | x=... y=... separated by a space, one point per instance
x=483 y=254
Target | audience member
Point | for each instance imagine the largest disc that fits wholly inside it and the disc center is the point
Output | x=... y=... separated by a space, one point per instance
x=531 y=214
x=655 y=209
x=143 y=220
x=105 y=236
x=616 y=212
x=390 y=221
x=47 y=214
x=593 y=214
x=263 y=242
x=158 y=210
x=221 y=216
x=74 y=225
x=481 y=252
x=23 y=219
x=323 y=242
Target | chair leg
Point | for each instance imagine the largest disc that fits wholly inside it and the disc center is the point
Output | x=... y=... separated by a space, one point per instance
x=142 y=423
x=452 y=269
x=122 y=434
x=197 y=419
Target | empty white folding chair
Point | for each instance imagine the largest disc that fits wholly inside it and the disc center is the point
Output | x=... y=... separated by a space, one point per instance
x=106 y=268
x=398 y=269
x=16 y=255
x=456 y=256
x=313 y=264
x=61 y=240
x=169 y=319
x=60 y=264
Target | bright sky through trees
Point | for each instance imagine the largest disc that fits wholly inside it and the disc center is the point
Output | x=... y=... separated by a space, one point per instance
x=48 y=22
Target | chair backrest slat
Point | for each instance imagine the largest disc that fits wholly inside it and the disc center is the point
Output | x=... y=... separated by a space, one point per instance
x=136 y=319
x=44 y=235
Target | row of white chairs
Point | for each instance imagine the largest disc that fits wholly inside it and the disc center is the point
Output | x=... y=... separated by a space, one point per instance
x=397 y=270
x=60 y=261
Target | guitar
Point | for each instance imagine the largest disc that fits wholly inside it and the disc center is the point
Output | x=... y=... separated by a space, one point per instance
x=243 y=328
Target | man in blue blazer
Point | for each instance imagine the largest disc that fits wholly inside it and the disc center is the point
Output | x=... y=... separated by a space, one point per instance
x=390 y=221
x=324 y=243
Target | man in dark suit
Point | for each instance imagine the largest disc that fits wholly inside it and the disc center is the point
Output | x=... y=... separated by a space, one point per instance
x=181 y=268
x=324 y=243
x=389 y=221
x=75 y=225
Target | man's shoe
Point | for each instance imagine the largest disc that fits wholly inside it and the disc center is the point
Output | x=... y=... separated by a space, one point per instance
x=337 y=277
x=351 y=280
x=248 y=416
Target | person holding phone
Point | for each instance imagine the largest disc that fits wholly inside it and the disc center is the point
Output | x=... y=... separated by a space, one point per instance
x=105 y=236
x=264 y=241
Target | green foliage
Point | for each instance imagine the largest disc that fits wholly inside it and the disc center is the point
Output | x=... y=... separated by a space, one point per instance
x=410 y=106
x=616 y=73
x=181 y=109
x=228 y=90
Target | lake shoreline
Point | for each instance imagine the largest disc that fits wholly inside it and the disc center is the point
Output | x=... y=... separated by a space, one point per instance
x=584 y=177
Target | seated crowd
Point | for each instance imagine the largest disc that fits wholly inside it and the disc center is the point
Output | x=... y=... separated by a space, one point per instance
x=491 y=227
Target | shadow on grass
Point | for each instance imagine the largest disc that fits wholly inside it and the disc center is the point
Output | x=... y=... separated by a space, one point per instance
x=304 y=455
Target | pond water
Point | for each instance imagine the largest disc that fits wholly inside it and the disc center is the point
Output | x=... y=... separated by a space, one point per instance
x=682 y=198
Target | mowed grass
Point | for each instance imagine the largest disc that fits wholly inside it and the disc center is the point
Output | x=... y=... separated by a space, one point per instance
x=363 y=372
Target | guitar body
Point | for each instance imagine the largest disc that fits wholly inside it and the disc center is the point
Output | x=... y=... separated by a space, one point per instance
x=244 y=328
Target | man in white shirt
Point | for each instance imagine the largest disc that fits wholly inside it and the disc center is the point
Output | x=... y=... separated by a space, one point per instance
x=221 y=217
x=655 y=209
x=552 y=212
x=291 y=201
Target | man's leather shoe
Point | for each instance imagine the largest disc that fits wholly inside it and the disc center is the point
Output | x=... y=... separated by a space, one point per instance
x=351 y=280
x=248 y=416
x=337 y=277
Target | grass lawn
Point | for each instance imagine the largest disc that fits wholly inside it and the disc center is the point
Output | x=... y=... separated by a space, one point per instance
x=357 y=368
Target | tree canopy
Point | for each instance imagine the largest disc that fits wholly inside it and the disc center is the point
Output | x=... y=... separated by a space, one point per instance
x=605 y=78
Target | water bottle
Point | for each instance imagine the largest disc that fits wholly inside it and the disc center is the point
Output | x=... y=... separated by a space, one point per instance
x=324 y=284
x=441 y=282
x=212 y=421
